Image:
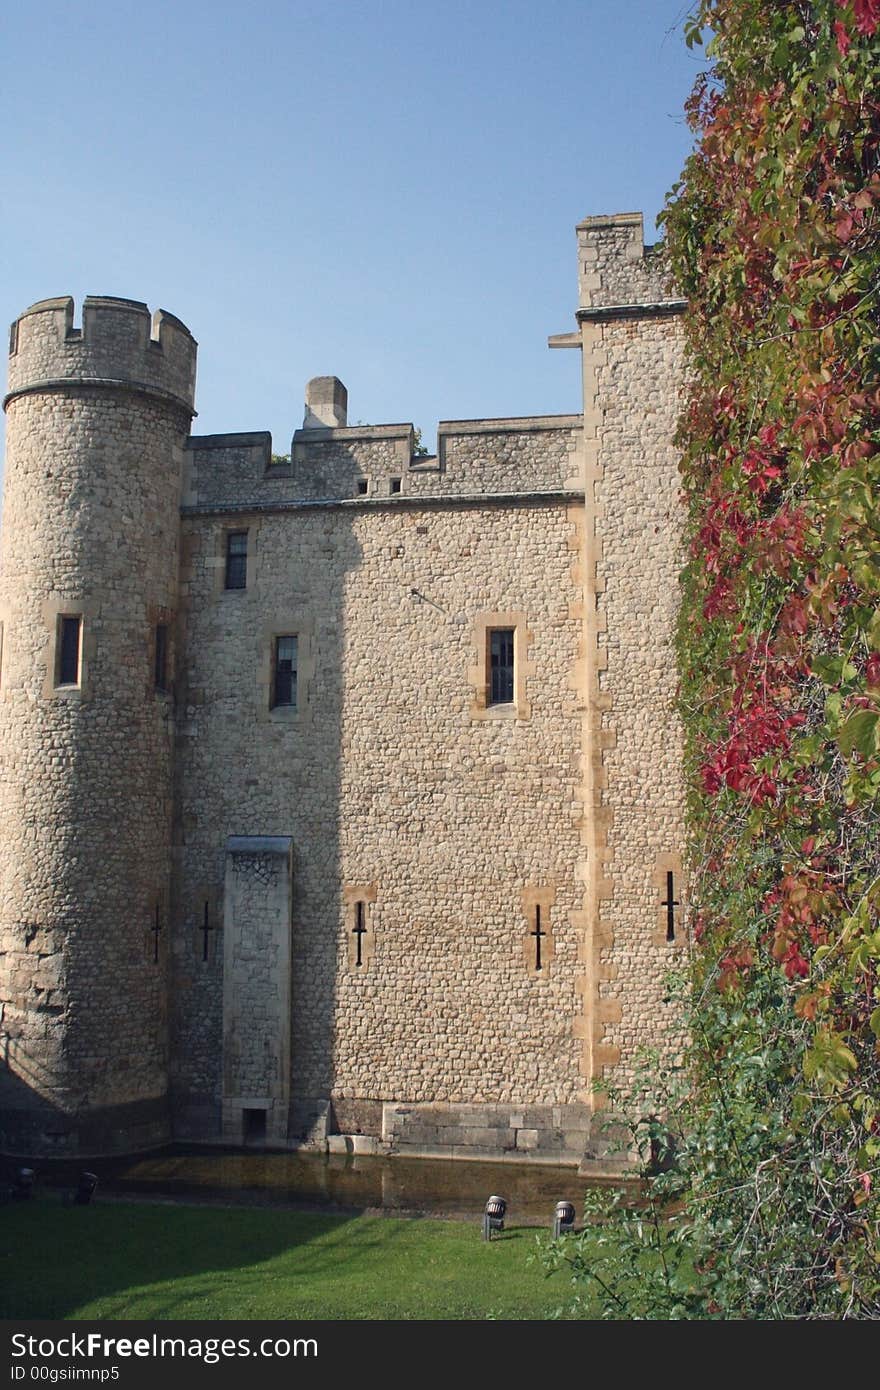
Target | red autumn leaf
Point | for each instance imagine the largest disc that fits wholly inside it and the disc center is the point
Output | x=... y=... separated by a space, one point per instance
x=795 y=965
x=806 y=1006
x=843 y=228
x=768 y=435
x=867 y=14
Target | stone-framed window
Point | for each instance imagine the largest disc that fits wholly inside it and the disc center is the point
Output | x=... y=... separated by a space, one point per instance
x=285 y=651
x=235 y=574
x=159 y=680
x=500 y=657
x=233 y=557
x=501 y=641
x=286 y=669
x=68 y=649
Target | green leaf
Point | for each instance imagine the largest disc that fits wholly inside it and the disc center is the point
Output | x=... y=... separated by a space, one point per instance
x=779 y=57
x=833 y=668
x=858 y=733
x=829 y=1060
x=860 y=958
x=833 y=706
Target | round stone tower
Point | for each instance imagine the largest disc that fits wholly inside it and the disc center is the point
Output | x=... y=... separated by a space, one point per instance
x=97 y=419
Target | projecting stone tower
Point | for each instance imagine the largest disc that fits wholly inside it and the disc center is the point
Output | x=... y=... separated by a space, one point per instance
x=97 y=420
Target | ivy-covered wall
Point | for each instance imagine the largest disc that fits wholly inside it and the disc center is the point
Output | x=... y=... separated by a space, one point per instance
x=774 y=233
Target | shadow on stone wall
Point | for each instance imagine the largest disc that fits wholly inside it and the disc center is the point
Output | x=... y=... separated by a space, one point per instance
x=244 y=769
x=31 y=1125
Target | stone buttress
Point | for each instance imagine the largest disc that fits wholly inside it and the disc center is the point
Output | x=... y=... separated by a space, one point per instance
x=632 y=920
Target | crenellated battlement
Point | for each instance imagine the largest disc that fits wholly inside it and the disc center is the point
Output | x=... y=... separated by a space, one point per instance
x=617 y=271
x=119 y=344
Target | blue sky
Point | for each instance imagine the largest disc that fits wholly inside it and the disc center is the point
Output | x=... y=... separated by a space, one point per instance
x=386 y=192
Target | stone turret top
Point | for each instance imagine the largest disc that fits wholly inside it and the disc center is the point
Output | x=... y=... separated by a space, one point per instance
x=618 y=275
x=120 y=344
x=615 y=267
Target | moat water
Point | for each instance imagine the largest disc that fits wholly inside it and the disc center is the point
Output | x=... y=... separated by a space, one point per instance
x=414 y=1186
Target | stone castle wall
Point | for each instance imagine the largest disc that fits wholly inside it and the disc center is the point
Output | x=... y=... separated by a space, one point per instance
x=431 y=834
x=387 y=778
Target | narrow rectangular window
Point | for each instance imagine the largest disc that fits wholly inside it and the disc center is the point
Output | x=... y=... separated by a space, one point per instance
x=156 y=930
x=236 y=559
x=670 y=902
x=284 y=678
x=69 y=630
x=359 y=932
x=394 y=485
x=501 y=665
x=538 y=936
x=161 y=656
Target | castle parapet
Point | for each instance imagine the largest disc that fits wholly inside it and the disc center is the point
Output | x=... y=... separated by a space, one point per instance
x=120 y=344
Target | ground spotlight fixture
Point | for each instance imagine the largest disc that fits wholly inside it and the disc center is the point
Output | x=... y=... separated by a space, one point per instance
x=493 y=1216
x=563 y=1219
x=85 y=1189
x=24 y=1184
x=82 y=1194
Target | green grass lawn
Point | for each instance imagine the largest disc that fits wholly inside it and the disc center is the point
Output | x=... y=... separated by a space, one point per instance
x=153 y=1261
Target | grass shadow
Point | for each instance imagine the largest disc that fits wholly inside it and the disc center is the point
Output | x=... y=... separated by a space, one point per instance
x=163 y=1260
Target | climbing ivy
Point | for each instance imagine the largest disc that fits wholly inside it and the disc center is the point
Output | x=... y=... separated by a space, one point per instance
x=774 y=237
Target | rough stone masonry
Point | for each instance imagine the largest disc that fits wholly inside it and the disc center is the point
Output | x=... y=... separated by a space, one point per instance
x=341 y=798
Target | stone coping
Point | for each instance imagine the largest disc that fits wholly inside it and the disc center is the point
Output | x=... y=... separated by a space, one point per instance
x=603 y=313
x=524 y=424
x=99 y=383
x=411 y=502
x=249 y=439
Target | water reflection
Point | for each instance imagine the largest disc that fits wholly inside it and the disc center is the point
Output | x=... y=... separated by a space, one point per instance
x=429 y=1186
